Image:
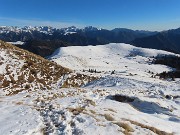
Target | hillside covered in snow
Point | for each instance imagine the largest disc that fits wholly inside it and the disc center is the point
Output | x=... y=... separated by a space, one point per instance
x=106 y=89
x=120 y=57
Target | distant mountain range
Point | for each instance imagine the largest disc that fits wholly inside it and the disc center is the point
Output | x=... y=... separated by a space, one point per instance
x=45 y=40
x=166 y=40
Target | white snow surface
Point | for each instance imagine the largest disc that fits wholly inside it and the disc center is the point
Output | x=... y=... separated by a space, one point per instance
x=115 y=56
x=91 y=110
x=16 y=43
x=17 y=118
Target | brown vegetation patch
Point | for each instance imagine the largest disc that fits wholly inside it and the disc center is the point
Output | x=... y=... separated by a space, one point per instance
x=109 y=109
x=91 y=102
x=93 y=112
x=34 y=64
x=1 y=77
x=153 y=129
x=14 y=92
x=108 y=117
x=5 y=83
x=77 y=80
x=19 y=103
x=125 y=126
x=37 y=70
x=76 y=111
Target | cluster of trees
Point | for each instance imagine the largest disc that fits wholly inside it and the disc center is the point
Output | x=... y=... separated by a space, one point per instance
x=92 y=71
x=172 y=61
x=173 y=74
x=95 y=71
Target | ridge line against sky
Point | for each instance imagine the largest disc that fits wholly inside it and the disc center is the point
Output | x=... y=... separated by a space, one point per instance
x=154 y=15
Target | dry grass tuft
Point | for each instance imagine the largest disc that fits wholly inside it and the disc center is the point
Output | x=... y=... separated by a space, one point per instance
x=43 y=131
x=126 y=127
x=108 y=117
x=93 y=112
x=109 y=109
x=5 y=83
x=94 y=116
x=153 y=129
x=91 y=102
x=19 y=103
x=76 y=111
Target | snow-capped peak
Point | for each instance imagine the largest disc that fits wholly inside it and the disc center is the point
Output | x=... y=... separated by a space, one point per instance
x=45 y=29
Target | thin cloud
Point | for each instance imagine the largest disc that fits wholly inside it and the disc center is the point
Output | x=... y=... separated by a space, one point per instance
x=33 y=22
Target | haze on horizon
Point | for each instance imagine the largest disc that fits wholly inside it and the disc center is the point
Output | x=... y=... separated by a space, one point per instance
x=133 y=14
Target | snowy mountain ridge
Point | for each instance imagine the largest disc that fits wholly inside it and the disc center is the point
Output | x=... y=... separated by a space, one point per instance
x=44 y=29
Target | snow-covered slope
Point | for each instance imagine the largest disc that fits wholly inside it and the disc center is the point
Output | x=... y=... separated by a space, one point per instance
x=129 y=101
x=120 y=57
x=16 y=43
x=23 y=76
x=154 y=110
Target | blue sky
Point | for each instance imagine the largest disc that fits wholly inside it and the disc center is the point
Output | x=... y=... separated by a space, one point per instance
x=133 y=14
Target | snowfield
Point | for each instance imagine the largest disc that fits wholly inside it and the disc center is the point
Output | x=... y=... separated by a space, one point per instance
x=115 y=56
x=16 y=43
x=127 y=101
